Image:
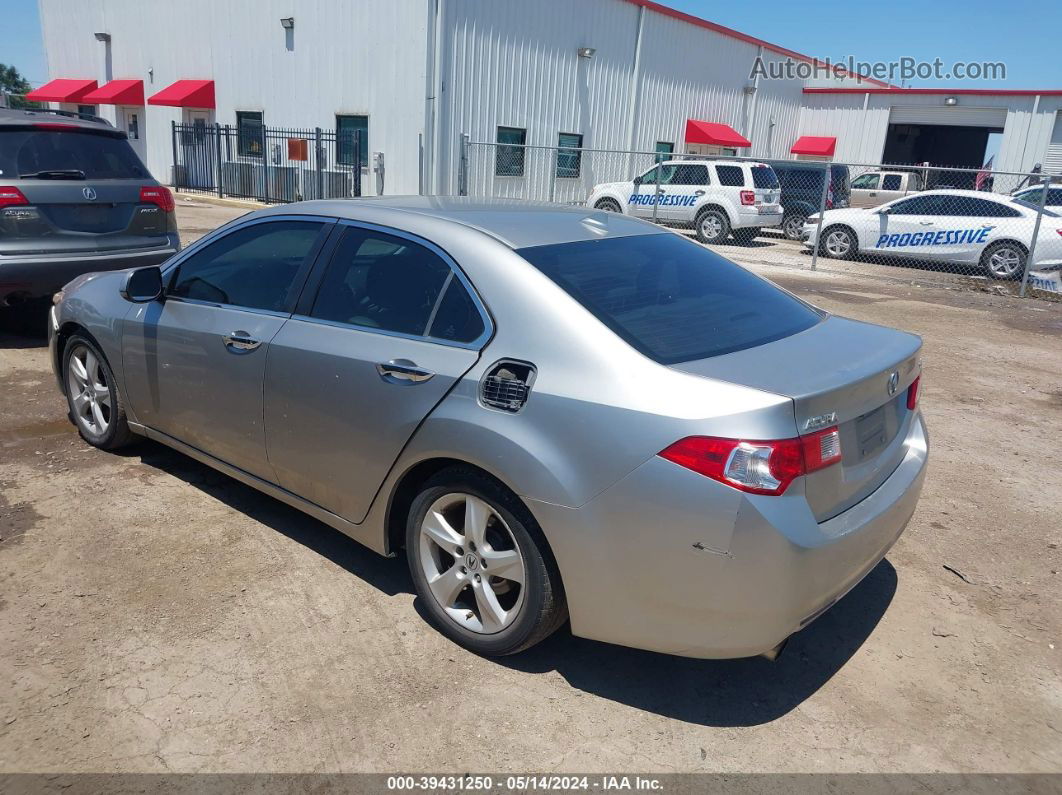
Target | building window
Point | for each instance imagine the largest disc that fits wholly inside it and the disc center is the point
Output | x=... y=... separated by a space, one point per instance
x=249 y=133
x=346 y=126
x=664 y=150
x=509 y=159
x=88 y=110
x=569 y=154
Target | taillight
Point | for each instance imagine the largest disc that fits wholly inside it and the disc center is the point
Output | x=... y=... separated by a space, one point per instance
x=1059 y=230
x=11 y=196
x=912 y=394
x=757 y=467
x=158 y=195
x=748 y=197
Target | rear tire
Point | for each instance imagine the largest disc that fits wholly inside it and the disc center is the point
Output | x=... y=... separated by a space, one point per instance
x=747 y=234
x=497 y=598
x=712 y=225
x=1005 y=260
x=838 y=242
x=608 y=205
x=97 y=408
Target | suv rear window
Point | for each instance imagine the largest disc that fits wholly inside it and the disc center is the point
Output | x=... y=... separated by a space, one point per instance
x=764 y=177
x=98 y=155
x=670 y=298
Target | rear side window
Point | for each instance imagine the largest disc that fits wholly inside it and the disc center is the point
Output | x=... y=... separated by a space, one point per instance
x=764 y=177
x=260 y=266
x=670 y=298
x=730 y=175
x=26 y=152
x=890 y=182
x=380 y=281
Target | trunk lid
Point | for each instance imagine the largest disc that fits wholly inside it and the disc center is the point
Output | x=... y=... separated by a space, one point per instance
x=837 y=373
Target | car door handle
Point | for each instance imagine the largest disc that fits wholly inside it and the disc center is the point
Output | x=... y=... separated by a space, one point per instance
x=698 y=193
x=402 y=370
x=240 y=341
x=873 y=193
x=925 y=223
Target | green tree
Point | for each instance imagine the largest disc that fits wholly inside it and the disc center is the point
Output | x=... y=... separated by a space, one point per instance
x=12 y=82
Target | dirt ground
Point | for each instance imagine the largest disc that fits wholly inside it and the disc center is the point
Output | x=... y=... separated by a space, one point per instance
x=158 y=616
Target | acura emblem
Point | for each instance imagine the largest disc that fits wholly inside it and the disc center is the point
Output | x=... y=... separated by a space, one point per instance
x=89 y=193
x=894 y=382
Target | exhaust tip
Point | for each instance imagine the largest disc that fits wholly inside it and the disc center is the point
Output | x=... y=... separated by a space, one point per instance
x=776 y=652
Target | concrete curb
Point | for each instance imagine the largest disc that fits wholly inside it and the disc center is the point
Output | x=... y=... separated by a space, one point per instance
x=201 y=198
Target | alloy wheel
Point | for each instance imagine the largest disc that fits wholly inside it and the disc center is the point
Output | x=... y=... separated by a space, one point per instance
x=1005 y=262
x=838 y=243
x=793 y=227
x=711 y=226
x=472 y=564
x=90 y=395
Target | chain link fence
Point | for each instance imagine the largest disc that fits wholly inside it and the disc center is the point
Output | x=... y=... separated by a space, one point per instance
x=269 y=164
x=924 y=223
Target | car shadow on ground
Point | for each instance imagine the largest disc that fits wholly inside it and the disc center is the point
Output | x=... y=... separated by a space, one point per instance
x=24 y=327
x=387 y=575
x=744 y=692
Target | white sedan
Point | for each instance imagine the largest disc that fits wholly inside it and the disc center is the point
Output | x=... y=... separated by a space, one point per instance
x=1034 y=195
x=956 y=226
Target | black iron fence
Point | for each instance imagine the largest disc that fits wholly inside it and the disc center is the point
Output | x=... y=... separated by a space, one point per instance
x=270 y=164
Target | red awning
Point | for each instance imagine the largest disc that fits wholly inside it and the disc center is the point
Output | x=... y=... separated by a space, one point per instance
x=814 y=145
x=714 y=133
x=186 y=94
x=62 y=90
x=117 y=92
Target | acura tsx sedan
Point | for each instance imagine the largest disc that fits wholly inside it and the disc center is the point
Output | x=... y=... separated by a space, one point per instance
x=557 y=412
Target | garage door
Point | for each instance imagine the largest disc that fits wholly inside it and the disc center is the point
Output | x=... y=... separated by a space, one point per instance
x=1053 y=160
x=956 y=116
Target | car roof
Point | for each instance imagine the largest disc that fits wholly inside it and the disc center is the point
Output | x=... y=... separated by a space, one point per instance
x=977 y=194
x=516 y=223
x=21 y=117
x=715 y=161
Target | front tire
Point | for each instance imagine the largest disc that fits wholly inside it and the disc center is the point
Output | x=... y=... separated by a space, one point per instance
x=1005 y=261
x=608 y=205
x=712 y=226
x=793 y=225
x=96 y=406
x=481 y=566
x=838 y=242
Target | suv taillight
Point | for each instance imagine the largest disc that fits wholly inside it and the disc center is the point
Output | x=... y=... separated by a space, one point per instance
x=748 y=197
x=757 y=467
x=157 y=195
x=912 y=394
x=10 y=196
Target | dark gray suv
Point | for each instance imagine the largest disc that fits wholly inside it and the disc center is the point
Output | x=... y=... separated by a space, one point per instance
x=74 y=198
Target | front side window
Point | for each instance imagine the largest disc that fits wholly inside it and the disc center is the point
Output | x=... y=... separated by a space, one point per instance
x=257 y=267
x=348 y=128
x=380 y=281
x=866 y=182
x=509 y=158
x=249 y=133
x=919 y=205
x=670 y=298
x=891 y=182
x=569 y=154
x=730 y=175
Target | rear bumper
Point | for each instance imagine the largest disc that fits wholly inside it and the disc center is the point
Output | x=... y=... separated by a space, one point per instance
x=670 y=561
x=35 y=277
x=750 y=216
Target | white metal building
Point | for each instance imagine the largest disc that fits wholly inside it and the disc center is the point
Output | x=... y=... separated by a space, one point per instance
x=416 y=74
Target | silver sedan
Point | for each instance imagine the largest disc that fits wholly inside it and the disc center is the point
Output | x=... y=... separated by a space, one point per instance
x=557 y=413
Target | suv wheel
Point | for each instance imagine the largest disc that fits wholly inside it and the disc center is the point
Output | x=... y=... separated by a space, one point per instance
x=838 y=242
x=96 y=405
x=712 y=226
x=793 y=225
x=481 y=566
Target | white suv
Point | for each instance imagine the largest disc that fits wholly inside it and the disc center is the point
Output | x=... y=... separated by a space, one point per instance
x=716 y=197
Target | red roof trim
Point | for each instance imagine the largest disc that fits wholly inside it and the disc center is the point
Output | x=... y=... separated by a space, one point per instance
x=62 y=90
x=117 y=92
x=186 y=94
x=735 y=34
x=981 y=92
x=814 y=145
x=714 y=134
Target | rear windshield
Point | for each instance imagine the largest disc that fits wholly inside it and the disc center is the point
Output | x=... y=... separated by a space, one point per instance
x=98 y=156
x=764 y=177
x=671 y=298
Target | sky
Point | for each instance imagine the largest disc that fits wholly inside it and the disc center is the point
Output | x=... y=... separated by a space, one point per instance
x=1020 y=33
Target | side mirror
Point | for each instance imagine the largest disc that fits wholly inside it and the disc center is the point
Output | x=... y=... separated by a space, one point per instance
x=637 y=180
x=143 y=285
